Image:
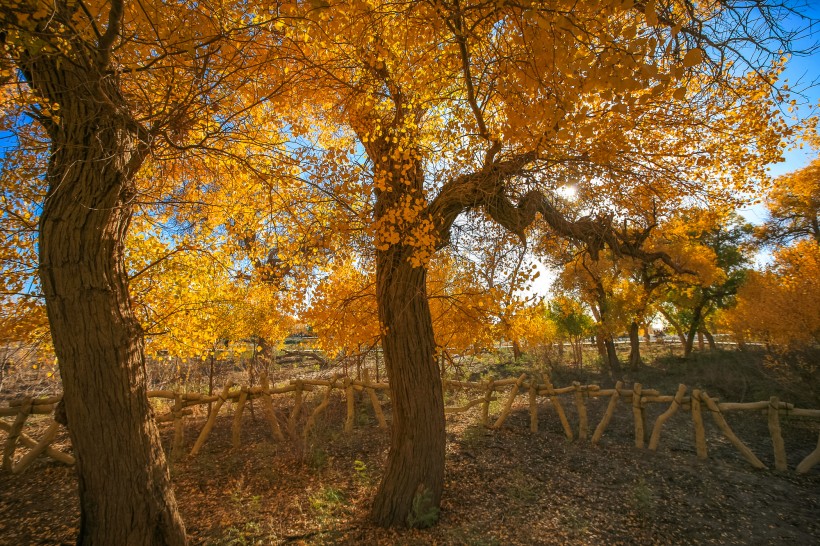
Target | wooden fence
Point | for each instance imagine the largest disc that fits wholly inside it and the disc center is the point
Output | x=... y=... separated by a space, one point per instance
x=535 y=387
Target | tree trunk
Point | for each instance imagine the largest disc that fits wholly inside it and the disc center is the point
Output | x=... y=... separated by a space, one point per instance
x=578 y=351
x=124 y=483
x=710 y=339
x=635 y=360
x=211 y=369
x=600 y=344
x=612 y=356
x=693 y=329
x=414 y=478
x=599 y=331
x=516 y=351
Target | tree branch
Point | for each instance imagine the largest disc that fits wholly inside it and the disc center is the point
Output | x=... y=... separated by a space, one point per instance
x=595 y=233
x=111 y=33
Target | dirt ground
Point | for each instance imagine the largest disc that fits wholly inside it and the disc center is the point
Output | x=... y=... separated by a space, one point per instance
x=507 y=486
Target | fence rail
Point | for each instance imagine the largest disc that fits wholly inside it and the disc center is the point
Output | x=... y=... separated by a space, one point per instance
x=534 y=387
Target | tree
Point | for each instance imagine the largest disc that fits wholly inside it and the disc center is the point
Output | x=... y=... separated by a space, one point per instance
x=22 y=313
x=119 y=88
x=572 y=322
x=490 y=275
x=413 y=119
x=778 y=306
x=598 y=283
x=490 y=108
x=343 y=310
x=794 y=207
x=727 y=240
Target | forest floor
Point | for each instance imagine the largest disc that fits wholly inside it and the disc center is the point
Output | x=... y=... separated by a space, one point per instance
x=507 y=486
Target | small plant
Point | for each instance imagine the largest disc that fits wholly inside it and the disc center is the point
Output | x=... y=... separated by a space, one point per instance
x=643 y=498
x=238 y=493
x=362 y=417
x=326 y=504
x=268 y=475
x=234 y=536
x=254 y=504
x=326 y=500
x=360 y=467
x=424 y=512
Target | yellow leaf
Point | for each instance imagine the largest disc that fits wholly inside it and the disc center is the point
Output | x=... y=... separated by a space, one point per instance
x=651 y=15
x=693 y=57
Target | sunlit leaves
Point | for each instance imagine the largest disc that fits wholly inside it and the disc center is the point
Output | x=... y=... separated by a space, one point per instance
x=794 y=206
x=779 y=306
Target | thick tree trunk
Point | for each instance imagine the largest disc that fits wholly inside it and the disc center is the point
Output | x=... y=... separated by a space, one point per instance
x=414 y=477
x=635 y=360
x=124 y=484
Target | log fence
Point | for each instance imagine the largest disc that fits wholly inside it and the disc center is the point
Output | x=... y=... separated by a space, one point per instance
x=535 y=388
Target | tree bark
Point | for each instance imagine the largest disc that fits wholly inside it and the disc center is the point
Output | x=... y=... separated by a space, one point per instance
x=612 y=356
x=635 y=360
x=693 y=329
x=516 y=351
x=709 y=339
x=415 y=464
x=600 y=344
x=578 y=351
x=124 y=483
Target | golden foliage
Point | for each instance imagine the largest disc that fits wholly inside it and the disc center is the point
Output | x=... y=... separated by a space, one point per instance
x=779 y=306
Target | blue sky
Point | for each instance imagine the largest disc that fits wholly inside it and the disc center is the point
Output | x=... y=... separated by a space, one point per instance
x=803 y=74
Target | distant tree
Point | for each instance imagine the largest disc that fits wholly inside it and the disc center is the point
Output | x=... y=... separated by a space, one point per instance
x=572 y=323
x=794 y=207
x=689 y=304
x=780 y=306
